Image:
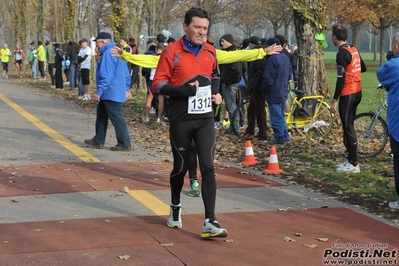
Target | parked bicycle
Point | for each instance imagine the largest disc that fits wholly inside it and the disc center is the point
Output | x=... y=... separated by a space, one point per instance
x=372 y=130
x=309 y=115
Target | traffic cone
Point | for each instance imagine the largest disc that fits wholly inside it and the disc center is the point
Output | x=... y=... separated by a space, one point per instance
x=274 y=167
x=249 y=155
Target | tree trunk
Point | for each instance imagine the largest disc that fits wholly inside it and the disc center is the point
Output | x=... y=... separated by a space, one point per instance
x=310 y=18
x=375 y=47
x=118 y=18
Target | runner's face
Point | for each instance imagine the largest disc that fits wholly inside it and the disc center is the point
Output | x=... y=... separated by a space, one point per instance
x=197 y=30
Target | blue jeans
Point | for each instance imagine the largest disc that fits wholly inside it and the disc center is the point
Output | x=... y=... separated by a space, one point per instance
x=72 y=78
x=112 y=110
x=277 y=119
x=80 y=84
x=34 y=69
x=230 y=100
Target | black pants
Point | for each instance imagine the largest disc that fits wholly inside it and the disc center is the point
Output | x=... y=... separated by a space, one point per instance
x=347 y=112
x=59 y=84
x=51 y=73
x=181 y=135
x=192 y=164
x=41 y=68
x=395 y=152
x=256 y=113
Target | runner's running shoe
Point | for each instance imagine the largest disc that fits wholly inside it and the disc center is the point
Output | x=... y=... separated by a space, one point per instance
x=212 y=229
x=194 y=190
x=174 y=220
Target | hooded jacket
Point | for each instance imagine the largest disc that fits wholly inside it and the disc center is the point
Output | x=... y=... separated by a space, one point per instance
x=112 y=76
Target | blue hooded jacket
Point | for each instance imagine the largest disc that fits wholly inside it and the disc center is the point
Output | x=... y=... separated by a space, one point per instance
x=276 y=78
x=112 y=76
x=388 y=76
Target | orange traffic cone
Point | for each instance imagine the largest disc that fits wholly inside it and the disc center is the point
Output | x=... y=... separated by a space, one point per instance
x=249 y=155
x=274 y=167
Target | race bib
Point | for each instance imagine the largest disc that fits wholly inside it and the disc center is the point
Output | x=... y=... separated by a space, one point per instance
x=201 y=103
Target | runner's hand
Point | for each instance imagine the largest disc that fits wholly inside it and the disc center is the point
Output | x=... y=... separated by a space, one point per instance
x=217 y=98
x=195 y=83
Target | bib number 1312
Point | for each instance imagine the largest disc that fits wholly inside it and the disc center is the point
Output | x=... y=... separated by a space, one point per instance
x=201 y=103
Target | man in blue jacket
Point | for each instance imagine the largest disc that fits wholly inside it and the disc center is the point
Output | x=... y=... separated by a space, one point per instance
x=388 y=75
x=275 y=90
x=113 y=89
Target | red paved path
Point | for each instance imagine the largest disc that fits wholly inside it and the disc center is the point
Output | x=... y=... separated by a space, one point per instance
x=255 y=238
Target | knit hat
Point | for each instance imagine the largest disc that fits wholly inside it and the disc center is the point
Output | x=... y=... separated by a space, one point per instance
x=245 y=43
x=47 y=42
x=272 y=41
x=32 y=43
x=263 y=42
x=228 y=37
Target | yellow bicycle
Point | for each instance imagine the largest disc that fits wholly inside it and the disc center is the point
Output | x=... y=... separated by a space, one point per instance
x=309 y=115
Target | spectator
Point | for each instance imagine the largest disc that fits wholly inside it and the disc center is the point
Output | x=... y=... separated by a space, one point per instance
x=284 y=44
x=50 y=55
x=84 y=59
x=72 y=56
x=66 y=59
x=59 y=57
x=41 y=57
x=134 y=69
x=294 y=64
x=113 y=89
x=348 y=90
x=230 y=75
x=275 y=90
x=245 y=44
x=32 y=57
x=150 y=93
x=256 y=108
x=388 y=76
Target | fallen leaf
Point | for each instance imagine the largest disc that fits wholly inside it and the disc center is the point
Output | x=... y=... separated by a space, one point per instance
x=322 y=239
x=229 y=240
x=297 y=234
x=167 y=245
x=5 y=242
x=14 y=201
x=310 y=245
x=38 y=230
x=288 y=239
x=126 y=189
x=124 y=257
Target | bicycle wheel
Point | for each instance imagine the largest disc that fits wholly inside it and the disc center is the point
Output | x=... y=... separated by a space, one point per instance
x=317 y=126
x=240 y=115
x=372 y=134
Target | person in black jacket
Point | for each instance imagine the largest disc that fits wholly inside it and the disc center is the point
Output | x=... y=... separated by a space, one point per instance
x=59 y=57
x=230 y=75
x=256 y=108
